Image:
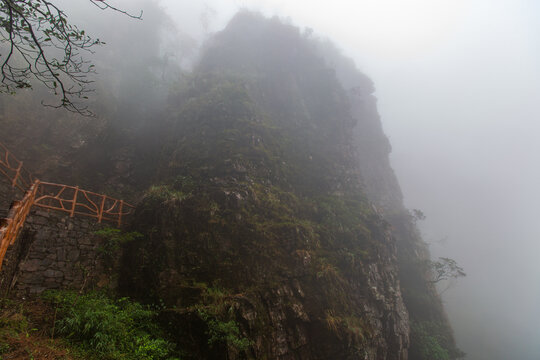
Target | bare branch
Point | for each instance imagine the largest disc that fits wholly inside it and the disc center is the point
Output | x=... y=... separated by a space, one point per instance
x=103 y=5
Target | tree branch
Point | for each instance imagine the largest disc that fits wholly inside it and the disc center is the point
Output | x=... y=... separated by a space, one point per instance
x=43 y=47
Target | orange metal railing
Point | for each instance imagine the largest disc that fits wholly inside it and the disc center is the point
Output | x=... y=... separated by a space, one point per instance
x=13 y=169
x=59 y=197
x=75 y=201
x=13 y=225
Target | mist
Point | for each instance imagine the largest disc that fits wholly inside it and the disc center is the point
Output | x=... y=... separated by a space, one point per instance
x=465 y=152
x=458 y=87
x=461 y=112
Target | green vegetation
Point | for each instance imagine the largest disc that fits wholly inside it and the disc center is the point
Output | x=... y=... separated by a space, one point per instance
x=111 y=329
x=115 y=239
x=163 y=193
x=25 y=332
x=223 y=332
x=428 y=344
x=254 y=225
x=430 y=330
x=15 y=324
x=216 y=311
x=247 y=205
x=444 y=269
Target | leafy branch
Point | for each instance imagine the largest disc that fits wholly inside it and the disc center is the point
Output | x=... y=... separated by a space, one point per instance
x=37 y=43
x=445 y=269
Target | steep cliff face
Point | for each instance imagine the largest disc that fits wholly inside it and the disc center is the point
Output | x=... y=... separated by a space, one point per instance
x=259 y=234
x=431 y=334
x=275 y=226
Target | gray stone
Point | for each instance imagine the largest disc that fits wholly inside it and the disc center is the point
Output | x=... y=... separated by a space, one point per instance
x=51 y=283
x=86 y=240
x=30 y=265
x=58 y=251
x=60 y=254
x=50 y=273
x=36 y=290
x=39 y=220
x=45 y=263
x=42 y=234
x=43 y=213
x=31 y=279
x=73 y=255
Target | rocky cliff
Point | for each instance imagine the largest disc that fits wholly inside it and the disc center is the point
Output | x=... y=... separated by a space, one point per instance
x=260 y=220
x=265 y=216
x=274 y=226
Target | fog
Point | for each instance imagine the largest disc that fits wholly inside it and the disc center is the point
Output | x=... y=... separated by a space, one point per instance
x=458 y=85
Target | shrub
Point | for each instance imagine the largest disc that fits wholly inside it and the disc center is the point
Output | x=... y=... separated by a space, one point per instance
x=427 y=343
x=115 y=238
x=112 y=329
x=164 y=193
x=223 y=332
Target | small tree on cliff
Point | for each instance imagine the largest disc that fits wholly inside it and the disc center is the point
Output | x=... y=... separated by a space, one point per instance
x=37 y=43
x=445 y=269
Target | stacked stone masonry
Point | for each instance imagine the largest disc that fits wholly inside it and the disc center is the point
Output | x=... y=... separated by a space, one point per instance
x=55 y=251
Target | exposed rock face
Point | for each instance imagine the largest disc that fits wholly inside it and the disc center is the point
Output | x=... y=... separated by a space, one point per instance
x=260 y=224
x=432 y=336
x=275 y=228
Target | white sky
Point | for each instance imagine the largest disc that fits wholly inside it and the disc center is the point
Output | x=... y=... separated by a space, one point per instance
x=458 y=84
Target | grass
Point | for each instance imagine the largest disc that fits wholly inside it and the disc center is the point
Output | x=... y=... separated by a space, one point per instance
x=25 y=333
x=115 y=329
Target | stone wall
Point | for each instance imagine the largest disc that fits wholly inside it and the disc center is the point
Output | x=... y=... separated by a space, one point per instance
x=55 y=251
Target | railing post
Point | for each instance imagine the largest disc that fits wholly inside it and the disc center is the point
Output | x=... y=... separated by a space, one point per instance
x=120 y=213
x=4 y=236
x=17 y=175
x=100 y=215
x=74 y=202
x=26 y=205
x=12 y=226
